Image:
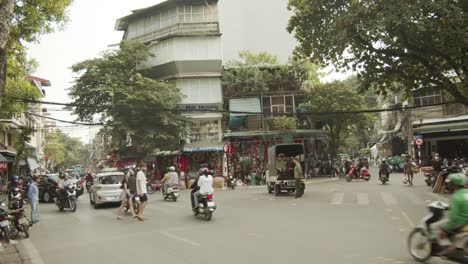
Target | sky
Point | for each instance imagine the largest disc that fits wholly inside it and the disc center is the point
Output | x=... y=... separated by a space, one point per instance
x=89 y=32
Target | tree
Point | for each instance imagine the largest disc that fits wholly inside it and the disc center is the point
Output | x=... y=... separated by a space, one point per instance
x=54 y=148
x=23 y=21
x=338 y=96
x=63 y=150
x=129 y=104
x=420 y=43
x=261 y=72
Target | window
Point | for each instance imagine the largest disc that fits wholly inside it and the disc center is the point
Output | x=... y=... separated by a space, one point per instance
x=204 y=130
x=427 y=96
x=278 y=105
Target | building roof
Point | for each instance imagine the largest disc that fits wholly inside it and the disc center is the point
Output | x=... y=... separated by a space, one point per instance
x=122 y=23
x=43 y=82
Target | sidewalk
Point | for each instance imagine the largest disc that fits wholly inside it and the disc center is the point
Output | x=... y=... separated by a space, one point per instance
x=9 y=254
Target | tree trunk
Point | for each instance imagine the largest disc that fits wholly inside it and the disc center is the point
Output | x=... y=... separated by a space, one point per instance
x=6 y=16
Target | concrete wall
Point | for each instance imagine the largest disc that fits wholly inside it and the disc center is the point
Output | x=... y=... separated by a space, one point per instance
x=255 y=25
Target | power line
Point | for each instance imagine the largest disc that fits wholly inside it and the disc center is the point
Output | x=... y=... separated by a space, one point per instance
x=65 y=121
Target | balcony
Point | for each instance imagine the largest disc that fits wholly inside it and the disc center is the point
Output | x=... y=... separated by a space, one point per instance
x=455 y=110
x=181 y=30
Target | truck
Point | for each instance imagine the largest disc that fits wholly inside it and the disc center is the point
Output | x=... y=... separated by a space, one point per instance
x=280 y=172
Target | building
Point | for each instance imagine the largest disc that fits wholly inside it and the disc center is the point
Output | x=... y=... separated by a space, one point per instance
x=32 y=118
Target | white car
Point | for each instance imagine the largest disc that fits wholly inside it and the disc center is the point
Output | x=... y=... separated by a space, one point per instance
x=106 y=188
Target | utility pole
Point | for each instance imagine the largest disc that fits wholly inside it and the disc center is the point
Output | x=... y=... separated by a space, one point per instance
x=409 y=130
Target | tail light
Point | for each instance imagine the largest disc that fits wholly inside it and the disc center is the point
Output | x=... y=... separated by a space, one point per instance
x=209 y=196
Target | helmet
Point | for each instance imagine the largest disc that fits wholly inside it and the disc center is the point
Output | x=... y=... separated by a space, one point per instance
x=458 y=179
x=384 y=160
x=172 y=168
x=15 y=178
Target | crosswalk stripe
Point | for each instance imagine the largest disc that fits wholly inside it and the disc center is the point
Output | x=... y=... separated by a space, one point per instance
x=363 y=198
x=388 y=198
x=337 y=198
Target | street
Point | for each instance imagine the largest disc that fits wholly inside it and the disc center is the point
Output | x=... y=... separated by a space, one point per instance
x=334 y=222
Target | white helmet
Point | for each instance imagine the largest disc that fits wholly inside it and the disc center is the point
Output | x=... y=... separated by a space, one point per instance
x=172 y=168
x=384 y=160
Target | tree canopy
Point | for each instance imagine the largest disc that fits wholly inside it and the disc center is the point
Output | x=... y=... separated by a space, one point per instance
x=63 y=150
x=127 y=103
x=420 y=43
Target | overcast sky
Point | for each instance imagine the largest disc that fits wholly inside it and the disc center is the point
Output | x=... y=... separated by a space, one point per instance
x=89 y=32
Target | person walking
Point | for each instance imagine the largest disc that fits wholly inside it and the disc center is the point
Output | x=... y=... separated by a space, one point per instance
x=141 y=190
x=298 y=177
x=125 y=197
x=33 y=197
x=409 y=172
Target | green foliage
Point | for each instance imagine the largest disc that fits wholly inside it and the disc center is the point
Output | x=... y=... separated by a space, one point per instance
x=338 y=96
x=127 y=102
x=20 y=144
x=419 y=43
x=64 y=151
x=283 y=123
x=259 y=73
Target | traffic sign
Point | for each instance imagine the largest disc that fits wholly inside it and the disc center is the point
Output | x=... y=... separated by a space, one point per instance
x=419 y=141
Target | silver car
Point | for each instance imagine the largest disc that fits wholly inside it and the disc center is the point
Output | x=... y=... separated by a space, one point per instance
x=106 y=188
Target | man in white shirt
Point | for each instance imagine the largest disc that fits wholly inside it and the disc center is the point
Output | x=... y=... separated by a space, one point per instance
x=205 y=182
x=141 y=190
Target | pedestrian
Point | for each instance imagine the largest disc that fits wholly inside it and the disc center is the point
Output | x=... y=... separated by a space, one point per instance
x=125 y=196
x=408 y=170
x=141 y=190
x=33 y=197
x=298 y=177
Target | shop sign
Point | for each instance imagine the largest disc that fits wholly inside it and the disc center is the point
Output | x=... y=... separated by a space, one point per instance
x=3 y=165
x=200 y=107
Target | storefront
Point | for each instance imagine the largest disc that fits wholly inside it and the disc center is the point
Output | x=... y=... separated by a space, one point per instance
x=194 y=155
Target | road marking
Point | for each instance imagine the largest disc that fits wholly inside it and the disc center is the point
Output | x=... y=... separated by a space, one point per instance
x=181 y=239
x=408 y=219
x=395 y=218
x=414 y=198
x=388 y=198
x=363 y=199
x=337 y=198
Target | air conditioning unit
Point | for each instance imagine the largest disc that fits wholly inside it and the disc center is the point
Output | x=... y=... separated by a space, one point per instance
x=303 y=123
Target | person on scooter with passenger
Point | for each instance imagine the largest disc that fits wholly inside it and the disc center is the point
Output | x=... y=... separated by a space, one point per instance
x=205 y=184
x=458 y=212
x=61 y=187
x=384 y=169
x=170 y=178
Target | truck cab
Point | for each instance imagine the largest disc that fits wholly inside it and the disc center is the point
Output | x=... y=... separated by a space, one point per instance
x=280 y=173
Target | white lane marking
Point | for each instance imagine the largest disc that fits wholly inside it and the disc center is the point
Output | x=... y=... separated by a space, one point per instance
x=337 y=198
x=388 y=198
x=408 y=219
x=363 y=199
x=181 y=239
x=414 y=198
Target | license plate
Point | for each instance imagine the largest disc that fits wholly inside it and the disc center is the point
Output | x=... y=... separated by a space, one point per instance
x=23 y=221
x=211 y=204
x=4 y=223
x=137 y=198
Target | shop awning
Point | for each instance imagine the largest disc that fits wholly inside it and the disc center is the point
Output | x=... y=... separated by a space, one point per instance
x=461 y=126
x=203 y=147
x=244 y=106
x=8 y=158
x=29 y=145
x=32 y=163
x=2 y=158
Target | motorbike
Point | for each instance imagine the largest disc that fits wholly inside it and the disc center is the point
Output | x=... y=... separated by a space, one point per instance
x=5 y=225
x=18 y=219
x=88 y=185
x=353 y=174
x=232 y=182
x=423 y=242
x=172 y=192
x=430 y=176
x=136 y=204
x=384 y=176
x=206 y=207
x=153 y=187
x=67 y=199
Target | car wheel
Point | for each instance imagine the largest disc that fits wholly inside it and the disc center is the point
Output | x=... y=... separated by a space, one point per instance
x=46 y=197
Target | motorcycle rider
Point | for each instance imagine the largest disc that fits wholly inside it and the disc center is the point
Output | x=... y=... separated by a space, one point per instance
x=205 y=183
x=61 y=187
x=384 y=169
x=170 y=178
x=458 y=212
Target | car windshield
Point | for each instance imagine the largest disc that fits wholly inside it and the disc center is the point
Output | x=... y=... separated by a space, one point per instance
x=111 y=179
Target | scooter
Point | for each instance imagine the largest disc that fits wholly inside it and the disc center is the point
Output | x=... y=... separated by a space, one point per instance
x=364 y=174
x=18 y=219
x=423 y=242
x=68 y=201
x=430 y=176
x=5 y=226
x=172 y=192
x=384 y=176
x=206 y=207
x=153 y=187
x=136 y=204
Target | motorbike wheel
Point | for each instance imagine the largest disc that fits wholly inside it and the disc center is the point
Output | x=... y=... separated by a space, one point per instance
x=277 y=190
x=420 y=249
x=26 y=231
x=348 y=178
x=6 y=234
x=174 y=199
x=47 y=198
x=208 y=215
x=73 y=205
x=151 y=189
x=136 y=208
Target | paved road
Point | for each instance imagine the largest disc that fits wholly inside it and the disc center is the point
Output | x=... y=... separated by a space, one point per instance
x=335 y=222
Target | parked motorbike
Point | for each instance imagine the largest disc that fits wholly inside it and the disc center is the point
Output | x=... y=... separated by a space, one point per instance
x=136 y=204
x=172 y=192
x=206 y=207
x=423 y=241
x=18 y=218
x=67 y=199
x=430 y=176
x=5 y=225
x=353 y=174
